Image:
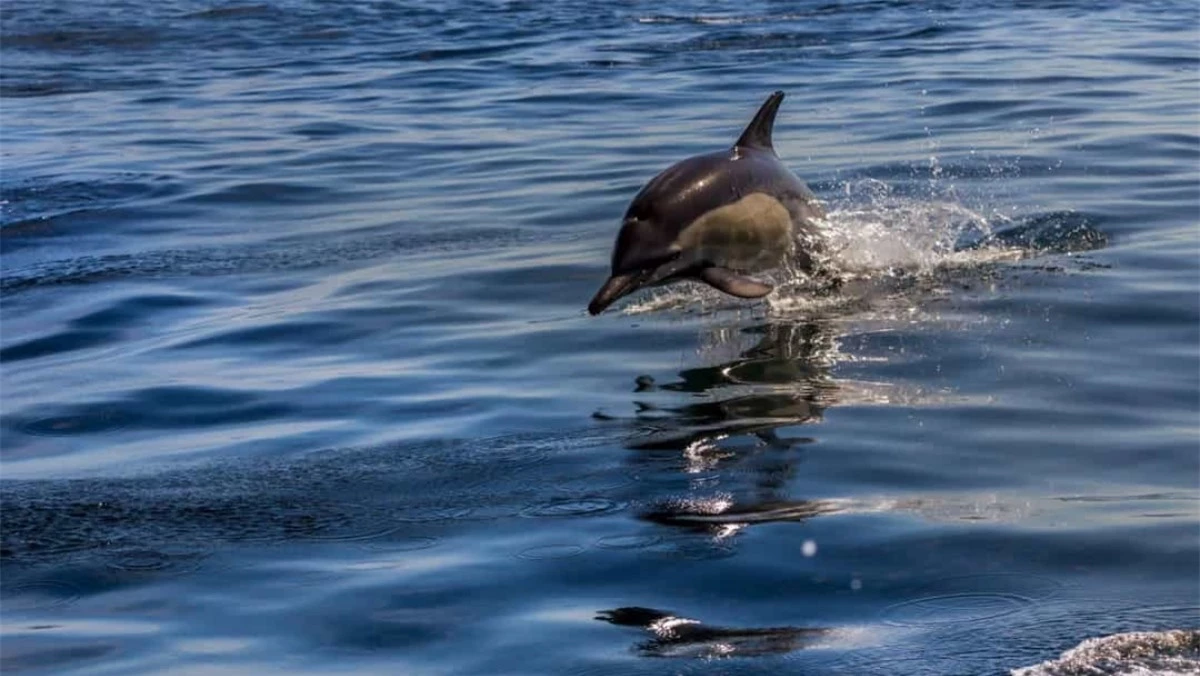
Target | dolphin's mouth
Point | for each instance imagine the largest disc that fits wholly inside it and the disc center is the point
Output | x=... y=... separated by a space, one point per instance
x=616 y=287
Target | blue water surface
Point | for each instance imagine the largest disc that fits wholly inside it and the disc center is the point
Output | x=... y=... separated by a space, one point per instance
x=297 y=375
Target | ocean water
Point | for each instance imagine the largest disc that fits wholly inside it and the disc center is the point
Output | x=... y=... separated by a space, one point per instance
x=298 y=377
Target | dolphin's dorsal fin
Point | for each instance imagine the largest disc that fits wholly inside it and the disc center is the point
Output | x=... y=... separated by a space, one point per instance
x=758 y=132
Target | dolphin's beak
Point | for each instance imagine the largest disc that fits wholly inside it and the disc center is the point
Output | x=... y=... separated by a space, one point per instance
x=616 y=287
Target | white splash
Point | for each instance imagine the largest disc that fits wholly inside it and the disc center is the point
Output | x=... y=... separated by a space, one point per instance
x=1166 y=653
x=876 y=239
x=877 y=231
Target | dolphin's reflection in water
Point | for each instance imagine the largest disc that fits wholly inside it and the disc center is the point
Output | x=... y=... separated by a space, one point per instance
x=673 y=636
x=783 y=380
x=723 y=446
x=731 y=415
x=721 y=457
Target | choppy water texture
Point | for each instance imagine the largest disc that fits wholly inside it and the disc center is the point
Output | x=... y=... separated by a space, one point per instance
x=297 y=374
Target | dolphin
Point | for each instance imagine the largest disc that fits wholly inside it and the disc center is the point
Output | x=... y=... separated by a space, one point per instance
x=714 y=217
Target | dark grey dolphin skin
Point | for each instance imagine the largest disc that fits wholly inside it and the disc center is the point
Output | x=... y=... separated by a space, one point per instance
x=713 y=217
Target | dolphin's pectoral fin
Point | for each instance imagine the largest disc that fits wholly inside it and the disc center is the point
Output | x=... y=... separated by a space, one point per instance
x=724 y=279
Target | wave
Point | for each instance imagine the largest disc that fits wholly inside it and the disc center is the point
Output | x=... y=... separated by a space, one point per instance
x=271 y=257
x=1164 y=653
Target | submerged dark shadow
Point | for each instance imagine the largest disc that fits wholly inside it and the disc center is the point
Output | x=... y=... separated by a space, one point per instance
x=682 y=637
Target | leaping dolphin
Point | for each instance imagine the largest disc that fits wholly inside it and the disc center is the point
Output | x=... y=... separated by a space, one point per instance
x=715 y=217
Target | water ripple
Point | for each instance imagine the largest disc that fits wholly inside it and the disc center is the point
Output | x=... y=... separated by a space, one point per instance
x=294 y=342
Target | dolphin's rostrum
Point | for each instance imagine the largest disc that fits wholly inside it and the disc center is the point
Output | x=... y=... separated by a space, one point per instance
x=715 y=217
